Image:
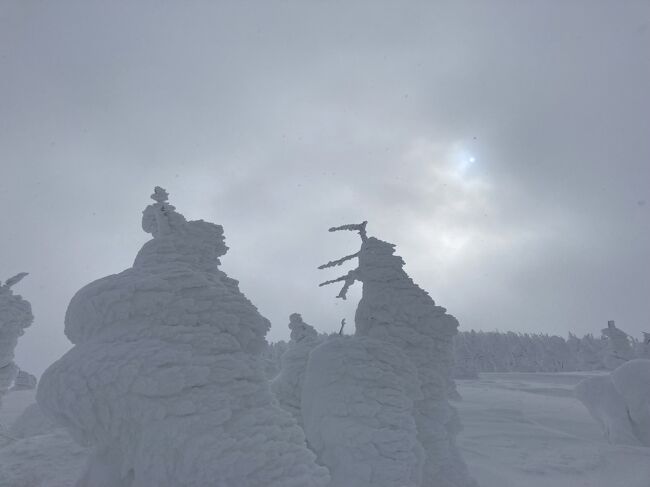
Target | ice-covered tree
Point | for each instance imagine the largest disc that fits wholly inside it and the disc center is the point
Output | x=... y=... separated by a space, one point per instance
x=495 y=351
x=398 y=366
x=643 y=347
x=619 y=349
x=590 y=353
x=272 y=358
x=464 y=358
x=24 y=381
x=165 y=380
x=288 y=385
x=15 y=316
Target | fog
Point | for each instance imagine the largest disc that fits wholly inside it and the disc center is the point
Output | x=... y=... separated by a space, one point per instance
x=502 y=146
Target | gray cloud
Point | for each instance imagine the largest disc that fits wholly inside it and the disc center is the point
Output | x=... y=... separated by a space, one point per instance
x=280 y=119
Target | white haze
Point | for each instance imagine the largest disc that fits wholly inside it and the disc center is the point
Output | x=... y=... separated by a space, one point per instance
x=281 y=119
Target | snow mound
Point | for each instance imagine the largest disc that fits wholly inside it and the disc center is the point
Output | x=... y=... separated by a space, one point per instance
x=606 y=405
x=620 y=402
x=632 y=380
x=165 y=381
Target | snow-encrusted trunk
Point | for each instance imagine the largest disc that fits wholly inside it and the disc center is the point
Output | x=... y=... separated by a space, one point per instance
x=165 y=380
x=15 y=316
x=357 y=405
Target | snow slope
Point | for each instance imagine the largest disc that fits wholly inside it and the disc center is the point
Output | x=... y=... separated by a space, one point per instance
x=527 y=429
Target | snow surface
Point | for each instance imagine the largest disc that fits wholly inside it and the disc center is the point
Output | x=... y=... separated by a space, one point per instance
x=528 y=430
x=165 y=381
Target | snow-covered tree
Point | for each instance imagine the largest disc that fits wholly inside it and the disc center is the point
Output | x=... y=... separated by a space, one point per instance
x=15 y=316
x=590 y=353
x=495 y=351
x=378 y=401
x=464 y=358
x=643 y=347
x=165 y=380
x=272 y=358
x=24 y=381
x=619 y=349
x=288 y=385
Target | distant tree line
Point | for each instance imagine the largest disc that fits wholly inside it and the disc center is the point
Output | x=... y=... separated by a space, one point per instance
x=494 y=351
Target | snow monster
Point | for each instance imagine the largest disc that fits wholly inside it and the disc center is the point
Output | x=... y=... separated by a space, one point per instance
x=15 y=316
x=165 y=380
x=375 y=405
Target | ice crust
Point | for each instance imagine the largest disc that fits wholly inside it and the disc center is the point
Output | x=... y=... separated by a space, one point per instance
x=165 y=381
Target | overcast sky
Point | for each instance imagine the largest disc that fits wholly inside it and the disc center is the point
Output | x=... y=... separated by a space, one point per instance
x=504 y=146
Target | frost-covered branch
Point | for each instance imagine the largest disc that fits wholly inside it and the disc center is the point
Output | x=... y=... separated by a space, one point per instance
x=334 y=263
x=15 y=279
x=349 y=279
x=351 y=276
x=355 y=227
